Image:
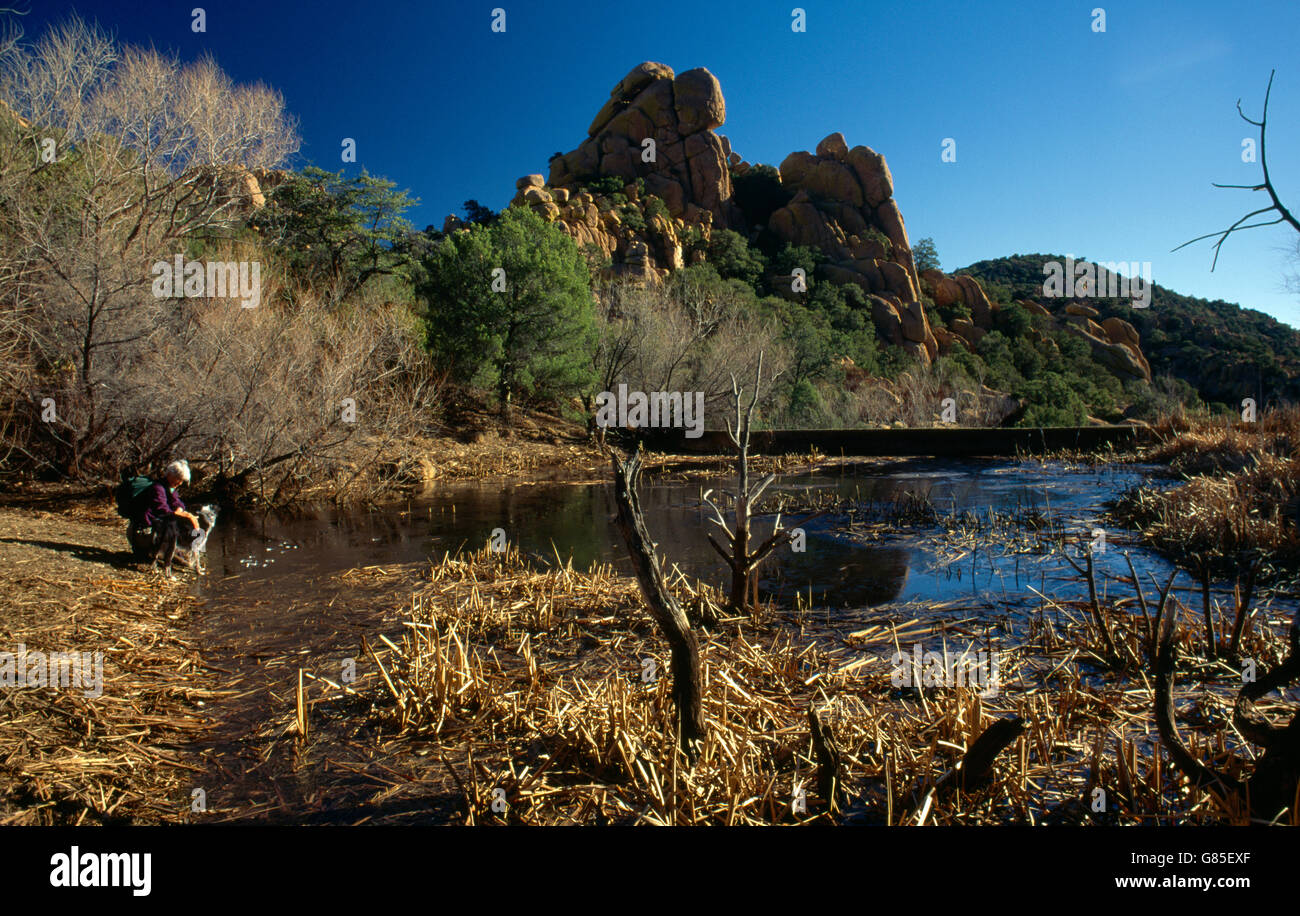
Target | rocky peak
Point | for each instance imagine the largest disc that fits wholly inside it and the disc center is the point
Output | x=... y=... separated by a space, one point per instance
x=843 y=205
x=685 y=164
x=655 y=136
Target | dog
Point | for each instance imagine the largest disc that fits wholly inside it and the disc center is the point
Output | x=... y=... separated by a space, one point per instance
x=177 y=535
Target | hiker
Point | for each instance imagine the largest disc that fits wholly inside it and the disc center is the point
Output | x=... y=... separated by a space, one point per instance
x=155 y=505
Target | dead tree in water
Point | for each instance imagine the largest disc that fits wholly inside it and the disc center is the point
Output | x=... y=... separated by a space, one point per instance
x=687 y=684
x=1272 y=788
x=739 y=558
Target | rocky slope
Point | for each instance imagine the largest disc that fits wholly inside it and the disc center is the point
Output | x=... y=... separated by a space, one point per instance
x=653 y=178
x=1222 y=350
x=1114 y=342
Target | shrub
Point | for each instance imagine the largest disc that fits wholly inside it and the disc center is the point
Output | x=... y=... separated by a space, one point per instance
x=655 y=207
x=610 y=184
x=1052 y=402
x=955 y=312
x=874 y=233
x=732 y=256
x=1013 y=320
x=631 y=217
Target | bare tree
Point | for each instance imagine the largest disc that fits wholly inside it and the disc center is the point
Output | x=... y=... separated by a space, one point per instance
x=679 y=337
x=11 y=32
x=742 y=561
x=123 y=158
x=1275 y=206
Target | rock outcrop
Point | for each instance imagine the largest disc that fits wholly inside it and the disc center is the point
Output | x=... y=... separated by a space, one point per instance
x=1114 y=342
x=659 y=127
x=843 y=205
x=653 y=180
x=654 y=138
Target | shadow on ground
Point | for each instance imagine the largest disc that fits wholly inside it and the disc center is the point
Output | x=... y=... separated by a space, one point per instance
x=118 y=559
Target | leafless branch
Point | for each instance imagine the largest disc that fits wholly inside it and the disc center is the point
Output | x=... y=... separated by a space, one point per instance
x=1276 y=205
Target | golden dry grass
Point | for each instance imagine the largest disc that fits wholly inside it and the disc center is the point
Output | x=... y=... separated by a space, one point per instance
x=1241 y=494
x=124 y=756
x=527 y=685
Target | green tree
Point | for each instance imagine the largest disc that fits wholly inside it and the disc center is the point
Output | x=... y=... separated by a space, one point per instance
x=732 y=256
x=925 y=255
x=853 y=333
x=1013 y=320
x=791 y=256
x=995 y=350
x=809 y=337
x=330 y=228
x=510 y=308
x=475 y=212
x=1052 y=402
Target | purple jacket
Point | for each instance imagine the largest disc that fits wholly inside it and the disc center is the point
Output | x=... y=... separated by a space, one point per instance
x=159 y=502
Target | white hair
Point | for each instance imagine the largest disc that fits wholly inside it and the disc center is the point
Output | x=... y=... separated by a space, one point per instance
x=179 y=469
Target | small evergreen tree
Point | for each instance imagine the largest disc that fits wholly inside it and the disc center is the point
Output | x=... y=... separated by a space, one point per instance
x=510 y=308
x=925 y=256
x=331 y=228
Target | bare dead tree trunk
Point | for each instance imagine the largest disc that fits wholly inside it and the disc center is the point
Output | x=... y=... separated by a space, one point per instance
x=737 y=555
x=974 y=769
x=1271 y=787
x=1150 y=640
x=1242 y=612
x=1211 y=638
x=687 y=689
x=1089 y=573
x=829 y=760
x=977 y=763
x=1166 y=660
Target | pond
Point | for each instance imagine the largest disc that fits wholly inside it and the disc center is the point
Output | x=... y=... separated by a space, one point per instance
x=275 y=573
x=275 y=603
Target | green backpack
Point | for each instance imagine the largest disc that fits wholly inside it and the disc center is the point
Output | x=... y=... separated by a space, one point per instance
x=128 y=493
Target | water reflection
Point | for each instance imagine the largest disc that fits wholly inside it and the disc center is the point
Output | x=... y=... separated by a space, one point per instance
x=838 y=568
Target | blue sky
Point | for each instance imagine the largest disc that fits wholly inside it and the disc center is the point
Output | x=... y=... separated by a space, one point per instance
x=1101 y=145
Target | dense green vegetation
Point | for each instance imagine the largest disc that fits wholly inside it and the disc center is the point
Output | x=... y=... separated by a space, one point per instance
x=827 y=330
x=1222 y=351
x=535 y=339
